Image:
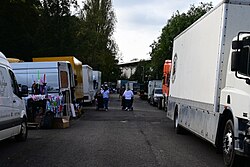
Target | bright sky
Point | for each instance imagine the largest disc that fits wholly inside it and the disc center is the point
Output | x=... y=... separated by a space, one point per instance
x=139 y=23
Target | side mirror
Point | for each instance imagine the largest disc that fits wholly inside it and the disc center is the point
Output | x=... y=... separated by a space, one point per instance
x=24 y=90
x=235 y=61
x=237 y=44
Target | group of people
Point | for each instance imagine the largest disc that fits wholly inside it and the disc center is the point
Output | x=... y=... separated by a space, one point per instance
x=102 y=98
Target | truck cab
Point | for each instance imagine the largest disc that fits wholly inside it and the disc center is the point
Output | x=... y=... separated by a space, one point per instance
x=235 y=97
x=13 y=117
x=165 y=83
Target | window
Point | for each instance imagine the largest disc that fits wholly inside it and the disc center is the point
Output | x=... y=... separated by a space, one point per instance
x=3 y=83
x=64 y=79
x=164 y=80
x=168 y=79
x=158 y=91
x=244 y=62
x=14 y=84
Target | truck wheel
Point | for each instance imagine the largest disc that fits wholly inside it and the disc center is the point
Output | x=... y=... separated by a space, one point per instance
x=228 y=144
x=159 y=105
x=162 y=104
x=22 y=136
x=151 y=101
x=177 y=127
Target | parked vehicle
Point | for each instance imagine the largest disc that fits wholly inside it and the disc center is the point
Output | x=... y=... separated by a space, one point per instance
x=88 y=86
x=151 y=86
x=13 y=117
x=55 y=76
x=77 y=70
x=157 y=96
x=14 y=60
x=209 y=85
x=120 y=84
x=132 y=85
x=165 y=84
x=97 y=80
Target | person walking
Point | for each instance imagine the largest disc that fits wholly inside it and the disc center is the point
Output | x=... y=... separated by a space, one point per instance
x=105 y=95
x=128 y=97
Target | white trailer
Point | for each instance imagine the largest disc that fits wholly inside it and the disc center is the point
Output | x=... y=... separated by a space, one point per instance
x=151 y=86
x=88 y=86
x=206 y=95
x=97 y=80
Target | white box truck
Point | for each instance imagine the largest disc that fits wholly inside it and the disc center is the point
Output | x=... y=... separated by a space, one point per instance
x=97 y=80
x=13 y=116
x=88 y=85
x=209 y=88
x=151 y=86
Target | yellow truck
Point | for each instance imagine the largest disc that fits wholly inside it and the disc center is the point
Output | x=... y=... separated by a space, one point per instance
x=77 y=69
x=14 y=60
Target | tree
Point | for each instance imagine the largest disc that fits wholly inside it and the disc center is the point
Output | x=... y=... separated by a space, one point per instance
x=57 y=29
x=34 y=28
x=162 y=49
x=142 y=72
x=39 y=28
x=19 y=19
x=96 y=45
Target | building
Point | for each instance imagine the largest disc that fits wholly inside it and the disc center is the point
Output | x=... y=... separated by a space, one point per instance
x=128 y=69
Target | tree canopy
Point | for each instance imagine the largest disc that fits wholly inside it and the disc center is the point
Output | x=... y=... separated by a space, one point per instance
x=163 y=47
x=43 y=28
x=95 y=38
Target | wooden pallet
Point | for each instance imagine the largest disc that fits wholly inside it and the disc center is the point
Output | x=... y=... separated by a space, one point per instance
x=33 y=125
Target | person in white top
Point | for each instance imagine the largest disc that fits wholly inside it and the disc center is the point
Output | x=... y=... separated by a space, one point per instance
x=128 y=97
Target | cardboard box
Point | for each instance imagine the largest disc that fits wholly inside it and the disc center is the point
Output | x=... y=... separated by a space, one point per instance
x=61 y=123
x=38 y=119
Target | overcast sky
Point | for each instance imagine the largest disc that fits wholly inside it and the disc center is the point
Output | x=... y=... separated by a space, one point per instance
x=139 y=23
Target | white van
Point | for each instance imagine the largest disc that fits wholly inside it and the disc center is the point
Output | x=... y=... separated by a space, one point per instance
x=12 y=108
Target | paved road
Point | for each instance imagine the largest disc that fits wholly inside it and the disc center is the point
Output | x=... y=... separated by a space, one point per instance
x=140 y=138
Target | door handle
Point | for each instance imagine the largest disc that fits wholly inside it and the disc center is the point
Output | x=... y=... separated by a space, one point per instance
x=14 y=101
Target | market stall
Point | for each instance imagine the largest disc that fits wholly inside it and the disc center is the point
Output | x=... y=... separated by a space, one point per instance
x=43 y=110
x=50 y=85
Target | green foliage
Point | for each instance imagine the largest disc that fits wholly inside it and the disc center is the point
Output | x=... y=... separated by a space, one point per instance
x=162 y=48
x=43 y=28
x=96 y=45
x=56 y=31
x=18 y=24
x=142 y=72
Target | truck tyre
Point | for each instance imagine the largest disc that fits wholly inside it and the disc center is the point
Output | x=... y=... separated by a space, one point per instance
x=159 y=104
x=228 y=144
x=22 y=136
x=177 y=127
x=162 y=104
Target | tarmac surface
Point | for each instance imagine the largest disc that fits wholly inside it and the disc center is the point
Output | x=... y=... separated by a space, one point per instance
x=140 y=138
